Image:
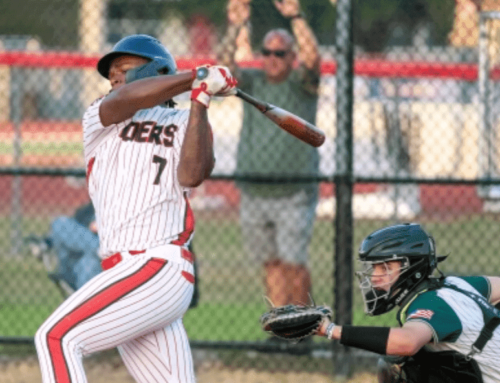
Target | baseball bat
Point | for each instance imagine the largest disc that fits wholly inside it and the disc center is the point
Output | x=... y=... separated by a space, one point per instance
x=286 y=120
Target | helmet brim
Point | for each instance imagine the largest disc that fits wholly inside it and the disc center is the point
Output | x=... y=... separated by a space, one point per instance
x=104 y=63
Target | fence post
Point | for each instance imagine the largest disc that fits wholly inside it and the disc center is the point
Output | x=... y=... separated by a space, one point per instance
x=344 y=179
x=16 y=214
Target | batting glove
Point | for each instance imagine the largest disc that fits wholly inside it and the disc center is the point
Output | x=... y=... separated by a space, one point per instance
x=212 y=81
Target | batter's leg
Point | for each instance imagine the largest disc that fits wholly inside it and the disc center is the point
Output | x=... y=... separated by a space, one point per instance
x=134 y=298
x=161 y=356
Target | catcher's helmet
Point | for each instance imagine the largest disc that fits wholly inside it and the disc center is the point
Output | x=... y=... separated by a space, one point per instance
x=161 y=61
x=407 y=243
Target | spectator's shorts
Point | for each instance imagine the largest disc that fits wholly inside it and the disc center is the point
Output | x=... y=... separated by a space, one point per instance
x=278 y=228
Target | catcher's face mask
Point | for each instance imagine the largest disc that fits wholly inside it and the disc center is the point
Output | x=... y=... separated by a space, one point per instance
x=379 y=283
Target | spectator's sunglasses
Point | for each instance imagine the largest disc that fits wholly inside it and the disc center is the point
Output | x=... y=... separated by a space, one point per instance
x=278 y=53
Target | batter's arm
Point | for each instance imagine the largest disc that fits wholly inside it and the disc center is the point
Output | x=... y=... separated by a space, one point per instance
x=123 y=103
x=197 y=152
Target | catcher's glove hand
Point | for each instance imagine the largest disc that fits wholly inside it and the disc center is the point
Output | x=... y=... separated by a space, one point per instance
x=293 y=322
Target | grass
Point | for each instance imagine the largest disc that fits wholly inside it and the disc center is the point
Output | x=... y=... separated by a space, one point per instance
x=231 y=282
x=44 y=148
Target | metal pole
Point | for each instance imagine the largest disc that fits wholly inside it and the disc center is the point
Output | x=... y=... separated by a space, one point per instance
x=344 y=178
x=484 y=123
x=16 y=215
x=486 y=149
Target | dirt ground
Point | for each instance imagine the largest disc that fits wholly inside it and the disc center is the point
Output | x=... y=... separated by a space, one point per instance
x=29 y=373
x=112 y=370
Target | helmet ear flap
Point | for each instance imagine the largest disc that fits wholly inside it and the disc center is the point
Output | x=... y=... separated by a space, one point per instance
x=153 y=68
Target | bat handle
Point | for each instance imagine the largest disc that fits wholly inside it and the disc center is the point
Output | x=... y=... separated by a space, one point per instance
x=262 y=106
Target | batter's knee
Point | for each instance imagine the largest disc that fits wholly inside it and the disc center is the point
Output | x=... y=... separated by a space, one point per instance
x=41 y=339
x=48 y=334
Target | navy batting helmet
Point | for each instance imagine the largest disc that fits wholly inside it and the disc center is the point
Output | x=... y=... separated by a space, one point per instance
x=161 y=61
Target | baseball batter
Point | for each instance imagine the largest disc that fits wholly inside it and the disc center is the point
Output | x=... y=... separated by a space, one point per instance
x=142 y=157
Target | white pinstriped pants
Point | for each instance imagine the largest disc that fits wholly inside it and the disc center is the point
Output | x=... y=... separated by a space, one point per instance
x=136 y=306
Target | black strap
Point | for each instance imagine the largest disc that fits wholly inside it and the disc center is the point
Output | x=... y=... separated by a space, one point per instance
x=486 y=333
x=490 y=326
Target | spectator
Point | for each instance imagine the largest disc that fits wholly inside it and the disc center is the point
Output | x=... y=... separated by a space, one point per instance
x=465 y=30
x=76 y=244
x=277 y=218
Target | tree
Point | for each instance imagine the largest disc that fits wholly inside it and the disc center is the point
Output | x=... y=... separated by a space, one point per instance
x=53 y=22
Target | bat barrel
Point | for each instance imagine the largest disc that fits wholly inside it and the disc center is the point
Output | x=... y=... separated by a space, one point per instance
x=286 y=120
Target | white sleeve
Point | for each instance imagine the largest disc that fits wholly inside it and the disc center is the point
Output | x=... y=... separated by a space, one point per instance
x=94 y=132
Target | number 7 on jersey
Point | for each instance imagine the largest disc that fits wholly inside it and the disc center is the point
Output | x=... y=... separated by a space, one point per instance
x=162 y=162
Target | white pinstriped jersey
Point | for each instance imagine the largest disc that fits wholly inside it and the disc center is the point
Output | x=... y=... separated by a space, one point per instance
x=132 y=179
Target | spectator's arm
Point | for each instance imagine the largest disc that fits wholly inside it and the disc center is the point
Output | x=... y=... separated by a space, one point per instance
x=308 y=45
x=236 y=42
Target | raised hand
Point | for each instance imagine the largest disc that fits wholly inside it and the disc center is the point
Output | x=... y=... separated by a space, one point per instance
x=238 y=11
x=288 y=8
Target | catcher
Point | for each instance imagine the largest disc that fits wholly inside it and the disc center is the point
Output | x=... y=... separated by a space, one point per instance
x=448 y=327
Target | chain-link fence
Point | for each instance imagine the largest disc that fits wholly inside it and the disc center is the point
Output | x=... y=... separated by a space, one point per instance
x=411 y=135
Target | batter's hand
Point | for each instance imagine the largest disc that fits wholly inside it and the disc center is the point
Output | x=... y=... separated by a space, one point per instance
x=288 y=8
x=238 y=11
x=212 y=81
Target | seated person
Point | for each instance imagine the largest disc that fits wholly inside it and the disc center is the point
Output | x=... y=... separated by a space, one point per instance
x=76 y=245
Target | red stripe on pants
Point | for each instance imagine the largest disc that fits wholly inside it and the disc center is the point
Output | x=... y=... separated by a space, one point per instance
x=91 y=307
x=188 y=225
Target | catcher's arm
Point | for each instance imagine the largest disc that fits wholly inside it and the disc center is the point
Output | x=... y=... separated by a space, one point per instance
x=495 y=289
x=404 y=341
x=329 y=330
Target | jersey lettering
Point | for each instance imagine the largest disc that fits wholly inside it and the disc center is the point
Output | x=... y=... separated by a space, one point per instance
x=169 y=135
x=128 y=132
x=149 y=132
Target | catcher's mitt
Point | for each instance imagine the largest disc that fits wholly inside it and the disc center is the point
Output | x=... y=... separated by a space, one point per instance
x=294 y=323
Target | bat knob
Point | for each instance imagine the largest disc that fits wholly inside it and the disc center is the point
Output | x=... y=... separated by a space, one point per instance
x=201 y=73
